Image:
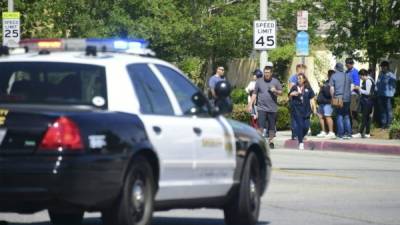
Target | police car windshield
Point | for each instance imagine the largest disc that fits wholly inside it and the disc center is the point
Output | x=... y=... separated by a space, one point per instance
x=52 y=83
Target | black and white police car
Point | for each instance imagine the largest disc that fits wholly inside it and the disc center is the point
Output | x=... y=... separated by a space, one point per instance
x=96 y=125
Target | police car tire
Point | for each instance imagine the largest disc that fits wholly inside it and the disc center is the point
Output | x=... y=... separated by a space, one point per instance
x=65 y=218
x=122 y=213
x=245 y=207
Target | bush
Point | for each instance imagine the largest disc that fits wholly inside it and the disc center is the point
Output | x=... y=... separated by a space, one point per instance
x=396 y=113
x=283 y=118
x=239 y=96
x=240 y=113
x=314 y=125
x=394 y=130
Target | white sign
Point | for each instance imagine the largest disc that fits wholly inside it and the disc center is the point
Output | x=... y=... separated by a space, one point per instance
x=264 y=36
x=11 y=29
x=302 y=20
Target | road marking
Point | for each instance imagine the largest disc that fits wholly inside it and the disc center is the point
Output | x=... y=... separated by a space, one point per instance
x=312 y=174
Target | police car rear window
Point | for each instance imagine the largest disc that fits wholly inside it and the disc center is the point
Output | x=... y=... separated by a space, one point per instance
x=52 y=83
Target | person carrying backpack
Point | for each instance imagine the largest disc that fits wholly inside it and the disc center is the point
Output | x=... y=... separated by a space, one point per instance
x=367 y=92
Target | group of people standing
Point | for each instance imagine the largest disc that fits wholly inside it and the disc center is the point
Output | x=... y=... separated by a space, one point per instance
x=358 y=92
x=346 y=92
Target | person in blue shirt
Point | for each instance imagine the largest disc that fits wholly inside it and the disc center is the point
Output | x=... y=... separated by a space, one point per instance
x=300 y=69
x=217 y=77
x=355 y=94
x=386 y=88
x=301 y=96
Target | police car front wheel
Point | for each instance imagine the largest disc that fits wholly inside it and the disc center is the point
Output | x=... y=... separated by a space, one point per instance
x=244 y=209
x=135 y=206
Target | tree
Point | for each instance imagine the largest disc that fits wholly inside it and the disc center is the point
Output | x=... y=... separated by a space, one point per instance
x=358 y=27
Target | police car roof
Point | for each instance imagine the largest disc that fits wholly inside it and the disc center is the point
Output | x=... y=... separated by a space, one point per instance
x=80 y=57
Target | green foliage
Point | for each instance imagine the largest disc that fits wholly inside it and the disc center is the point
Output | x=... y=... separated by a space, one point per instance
x=371 y=26
x=314 y=125
x=192 y=67
x=283 y=118
x=239 y=96
x=394 y=130
x=396 y=113
x=240 y=113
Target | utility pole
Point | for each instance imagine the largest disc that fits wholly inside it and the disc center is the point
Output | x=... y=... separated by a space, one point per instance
x=263 y=16
x=11 y=5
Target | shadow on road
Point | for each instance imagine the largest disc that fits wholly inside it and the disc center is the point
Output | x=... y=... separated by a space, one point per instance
x=156 y=221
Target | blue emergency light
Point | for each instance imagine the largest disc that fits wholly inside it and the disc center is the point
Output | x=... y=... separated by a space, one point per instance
x=128 y=45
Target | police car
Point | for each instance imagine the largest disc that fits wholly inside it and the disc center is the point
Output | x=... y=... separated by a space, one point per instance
x=99 y=125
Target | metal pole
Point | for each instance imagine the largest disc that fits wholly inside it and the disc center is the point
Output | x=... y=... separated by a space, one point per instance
x=263 y=16
x=11 y=5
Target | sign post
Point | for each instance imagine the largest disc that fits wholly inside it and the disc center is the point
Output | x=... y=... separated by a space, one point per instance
x=302 y=44
x=302 y=20
x=11 y=29
x=264 y=37
x=302 y=38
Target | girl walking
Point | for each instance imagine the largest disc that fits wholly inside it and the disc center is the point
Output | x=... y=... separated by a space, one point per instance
x=302 y=97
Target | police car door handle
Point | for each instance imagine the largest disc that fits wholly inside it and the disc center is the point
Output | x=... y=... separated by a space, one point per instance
x=157 y=130
x=197 y=131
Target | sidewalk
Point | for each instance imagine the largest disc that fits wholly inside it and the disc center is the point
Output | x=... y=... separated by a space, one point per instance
x=370 y=145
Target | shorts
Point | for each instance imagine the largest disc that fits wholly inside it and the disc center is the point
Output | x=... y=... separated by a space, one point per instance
x=325 y=109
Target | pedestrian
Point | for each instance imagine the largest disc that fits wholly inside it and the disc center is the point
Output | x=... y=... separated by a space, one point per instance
x=340 y=85
x=300 y=68
x=355 y=94
x=366 y=103
x=266 y=92
x=386 y=88
x=325 y=109
x=301 y=96
x=217 y=77
x=249 y=90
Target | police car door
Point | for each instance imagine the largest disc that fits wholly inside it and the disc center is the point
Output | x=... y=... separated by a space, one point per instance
x=214 y=145
x=171 y=136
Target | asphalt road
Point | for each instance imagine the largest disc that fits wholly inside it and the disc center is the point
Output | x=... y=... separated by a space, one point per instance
x=307 y=188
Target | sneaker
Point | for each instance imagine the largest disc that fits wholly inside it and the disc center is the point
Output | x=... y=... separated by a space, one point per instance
x=347 y=137
x=322 y=134
x=358 y=135
x=367 y=136
x=301 y=146
x=271 y=145
x=331 y=135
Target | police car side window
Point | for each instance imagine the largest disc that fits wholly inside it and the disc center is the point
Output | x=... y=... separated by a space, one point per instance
x=184 y=90
x=152 y=96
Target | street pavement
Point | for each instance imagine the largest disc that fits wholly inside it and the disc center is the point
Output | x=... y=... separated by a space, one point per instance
x=307 y=188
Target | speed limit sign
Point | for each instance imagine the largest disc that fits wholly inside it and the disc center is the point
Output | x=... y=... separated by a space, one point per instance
x=11 y=29
x=264 y=34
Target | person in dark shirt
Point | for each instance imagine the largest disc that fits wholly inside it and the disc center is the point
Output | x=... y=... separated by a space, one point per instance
x=302 y=96
x=366 y=103
x=325 y=109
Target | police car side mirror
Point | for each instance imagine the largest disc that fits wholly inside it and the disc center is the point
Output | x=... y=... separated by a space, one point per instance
x=199 y=100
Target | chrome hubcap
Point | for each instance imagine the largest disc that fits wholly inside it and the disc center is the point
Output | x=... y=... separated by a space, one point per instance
x=138 y=196
x=253 y=191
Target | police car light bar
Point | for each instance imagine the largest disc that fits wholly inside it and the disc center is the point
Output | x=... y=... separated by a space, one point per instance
x=130 y=46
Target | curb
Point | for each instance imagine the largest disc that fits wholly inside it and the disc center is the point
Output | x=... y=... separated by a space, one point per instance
x=345 y=147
